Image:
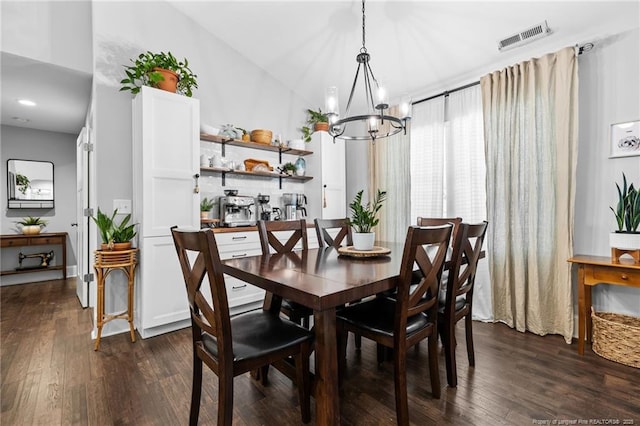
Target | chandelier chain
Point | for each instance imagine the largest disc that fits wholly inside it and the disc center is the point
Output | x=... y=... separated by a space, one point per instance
x=364 y=48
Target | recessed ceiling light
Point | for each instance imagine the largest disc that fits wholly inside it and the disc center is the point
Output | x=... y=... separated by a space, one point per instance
x=26 y=102
x=20 y=119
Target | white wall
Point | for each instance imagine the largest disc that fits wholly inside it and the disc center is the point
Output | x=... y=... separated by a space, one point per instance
x=56 y=32
x=59 y=148
x=609 y=93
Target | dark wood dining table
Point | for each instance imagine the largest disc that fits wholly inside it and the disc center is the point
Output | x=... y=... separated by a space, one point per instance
x=322 y=280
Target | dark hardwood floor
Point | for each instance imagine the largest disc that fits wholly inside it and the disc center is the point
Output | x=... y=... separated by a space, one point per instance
x=51 y=375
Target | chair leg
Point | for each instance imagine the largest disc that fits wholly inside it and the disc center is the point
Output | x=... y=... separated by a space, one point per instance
x=264 y=375
x=302 y=376
x=433 y=365
x=342 y=336
x=449 y=343
x=358 y=340
x=305 y=322
x=196 y=389
x=469 y=332
x=400 y=381
x=225 y=398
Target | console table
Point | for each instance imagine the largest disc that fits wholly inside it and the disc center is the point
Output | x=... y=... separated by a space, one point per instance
x=42 y=239
x=594 y=270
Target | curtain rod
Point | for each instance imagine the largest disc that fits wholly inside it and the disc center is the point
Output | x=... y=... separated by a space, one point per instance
x=580 y=48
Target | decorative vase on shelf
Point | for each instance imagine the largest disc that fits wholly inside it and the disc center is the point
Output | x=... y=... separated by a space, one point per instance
x=301 y=167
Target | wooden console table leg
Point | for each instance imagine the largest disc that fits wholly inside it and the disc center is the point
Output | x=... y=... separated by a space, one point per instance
x=100 y=307
x=581 y=310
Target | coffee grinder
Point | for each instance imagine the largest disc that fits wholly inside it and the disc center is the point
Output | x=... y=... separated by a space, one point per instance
x=264 y=209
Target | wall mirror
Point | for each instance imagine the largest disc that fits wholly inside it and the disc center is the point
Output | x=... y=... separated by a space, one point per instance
x=30 y=184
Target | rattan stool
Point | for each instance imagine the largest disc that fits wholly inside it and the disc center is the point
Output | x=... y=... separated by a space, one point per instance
x=107 y=261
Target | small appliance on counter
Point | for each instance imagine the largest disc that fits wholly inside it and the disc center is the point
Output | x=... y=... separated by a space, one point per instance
x=290 y=201
x=264 y=209
x=237 y=210
x=301 y=210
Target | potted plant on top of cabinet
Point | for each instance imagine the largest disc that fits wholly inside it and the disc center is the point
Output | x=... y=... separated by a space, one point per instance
x=114 y=236
x=364 y=218
x=627 y=213
x=32 y=225
x=162 y=71
x=318 y=119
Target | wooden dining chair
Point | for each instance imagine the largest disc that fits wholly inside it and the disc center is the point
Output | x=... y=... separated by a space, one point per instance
x=342 y=237
x=458 y=294
x=269 y=240
x=409 y=318
x=231 y=346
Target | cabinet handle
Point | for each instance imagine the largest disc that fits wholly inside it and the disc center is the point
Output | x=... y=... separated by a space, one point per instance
x=238 y=287
x=324 y=196
x=239 y=255
x=196 y=189
x=624 y=277
x=238 y=238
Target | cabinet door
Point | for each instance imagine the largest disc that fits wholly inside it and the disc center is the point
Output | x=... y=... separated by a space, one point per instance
x=167 y=127
x=162 y=295
x=333 y=179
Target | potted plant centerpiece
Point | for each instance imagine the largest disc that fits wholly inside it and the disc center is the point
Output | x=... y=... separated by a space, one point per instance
x=318 y=119
x=162 y=71
x=205 y=207
x=32 y=225
x=114 y=236
x=627 y=213
x=363 y=219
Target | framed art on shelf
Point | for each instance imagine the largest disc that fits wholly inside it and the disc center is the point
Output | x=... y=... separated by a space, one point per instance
x=625 y=139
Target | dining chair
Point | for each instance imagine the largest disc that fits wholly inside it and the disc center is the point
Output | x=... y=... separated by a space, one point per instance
x=231 y=346
x=343 y=232
x=409 y=318
x=457 y=302
x=269 y=241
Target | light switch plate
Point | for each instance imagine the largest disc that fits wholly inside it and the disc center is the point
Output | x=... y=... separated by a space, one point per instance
x=123 y=206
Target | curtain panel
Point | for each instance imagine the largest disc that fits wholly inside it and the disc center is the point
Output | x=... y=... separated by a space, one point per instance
x=530 y=121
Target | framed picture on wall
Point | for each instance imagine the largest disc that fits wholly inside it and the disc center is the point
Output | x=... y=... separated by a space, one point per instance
x=625 y=139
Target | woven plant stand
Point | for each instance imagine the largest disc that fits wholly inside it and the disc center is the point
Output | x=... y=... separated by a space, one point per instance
x=616 y=337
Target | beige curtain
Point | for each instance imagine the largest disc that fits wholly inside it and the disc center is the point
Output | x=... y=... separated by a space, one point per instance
x=390 y=171
x=530 y=116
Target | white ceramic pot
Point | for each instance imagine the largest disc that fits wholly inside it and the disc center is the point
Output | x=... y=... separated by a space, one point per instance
x=31 y=229
x=625 y=240
x=297 y=144
x=363 y=240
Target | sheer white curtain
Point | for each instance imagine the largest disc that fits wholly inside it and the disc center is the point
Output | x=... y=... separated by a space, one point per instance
x=448 y=170
x=531 y=115
x=389 y=171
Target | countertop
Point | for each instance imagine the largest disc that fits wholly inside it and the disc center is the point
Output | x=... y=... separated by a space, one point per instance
x=245 y=229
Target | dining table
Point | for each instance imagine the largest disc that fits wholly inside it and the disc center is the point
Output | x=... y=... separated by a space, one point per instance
x=323 y=280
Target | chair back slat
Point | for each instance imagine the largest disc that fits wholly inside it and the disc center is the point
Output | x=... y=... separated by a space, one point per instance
x=214 y=320
x=425 y=247
x=268 y=239
x=325 y=239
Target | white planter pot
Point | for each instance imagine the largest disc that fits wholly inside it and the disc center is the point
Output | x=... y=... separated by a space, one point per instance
x=297 y=144
x=624 y=240
x=363 y=241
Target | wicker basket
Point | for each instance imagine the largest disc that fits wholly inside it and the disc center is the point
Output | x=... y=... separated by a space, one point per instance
x=616 y=337
x=261 y=136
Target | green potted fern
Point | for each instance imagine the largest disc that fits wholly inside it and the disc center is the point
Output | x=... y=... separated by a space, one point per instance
x=364 y=219
x=160 y=70
x=32 y=225
x=627 y=214
x=205 y=207
x=318 y=119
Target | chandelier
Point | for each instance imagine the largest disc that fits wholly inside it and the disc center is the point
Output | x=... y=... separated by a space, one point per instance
x=376 y=121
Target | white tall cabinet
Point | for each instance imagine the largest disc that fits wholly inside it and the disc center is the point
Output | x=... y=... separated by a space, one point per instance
x=166 y=145
x=326 y=192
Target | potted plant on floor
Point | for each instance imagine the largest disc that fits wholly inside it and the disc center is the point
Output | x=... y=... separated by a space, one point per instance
x=162 y=71
x=32 y=225
x=114 y=236
x=363 y=219
x=205 y=207
x=627 y=213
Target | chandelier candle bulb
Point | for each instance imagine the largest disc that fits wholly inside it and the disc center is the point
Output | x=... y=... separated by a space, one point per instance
x=331 y=102
x=405 y=107
x=383 y=98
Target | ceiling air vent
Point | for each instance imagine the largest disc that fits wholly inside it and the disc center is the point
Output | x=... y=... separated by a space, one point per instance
x=526 y=36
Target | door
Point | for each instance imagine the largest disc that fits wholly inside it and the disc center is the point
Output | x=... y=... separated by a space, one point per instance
x=333 y=179
x=82 y=221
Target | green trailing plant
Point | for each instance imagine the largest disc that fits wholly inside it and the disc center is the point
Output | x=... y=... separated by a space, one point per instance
x=627 y=211
x=318 y=116
x=32 y=221
x=288 y=167
x=23 y=183
x=306 y=133
x=206 y=205
x=110 y=232
x=364 y=217
x=142 y=73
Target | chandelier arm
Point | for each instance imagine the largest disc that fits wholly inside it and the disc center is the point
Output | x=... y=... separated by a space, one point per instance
x=367 y=88
x=353 y=89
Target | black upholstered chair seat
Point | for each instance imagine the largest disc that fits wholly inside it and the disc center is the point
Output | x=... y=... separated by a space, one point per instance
x=257 y=333
x=378 y=315
x=460 y=302
x=295 y=306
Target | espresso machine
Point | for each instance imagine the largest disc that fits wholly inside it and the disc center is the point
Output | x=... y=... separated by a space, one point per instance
x=237 y=210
